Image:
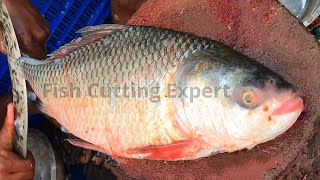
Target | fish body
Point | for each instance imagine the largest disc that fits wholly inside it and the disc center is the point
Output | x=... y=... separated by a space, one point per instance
x=153 y=93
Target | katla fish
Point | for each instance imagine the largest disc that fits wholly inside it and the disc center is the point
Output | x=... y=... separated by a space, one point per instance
x=153 y=93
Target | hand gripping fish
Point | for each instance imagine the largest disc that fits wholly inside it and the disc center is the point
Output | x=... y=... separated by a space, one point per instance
x=153 y=93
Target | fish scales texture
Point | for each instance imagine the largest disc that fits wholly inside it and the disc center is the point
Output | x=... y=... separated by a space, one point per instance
x=142 y=56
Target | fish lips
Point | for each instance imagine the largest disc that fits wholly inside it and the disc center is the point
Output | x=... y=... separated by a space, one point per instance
x=291 y=105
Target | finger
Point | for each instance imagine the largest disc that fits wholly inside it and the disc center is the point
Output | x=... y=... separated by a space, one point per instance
x=22 y=166
x=42 y=32
x=30 y=9
x=26 y=175
x=43 y=24
x=2 y=48
x=35 y=50
x=45 y=27
x=31 y=160
x=30 y=45
x=85 y=156
x=14 y=163
x=4 y=101
x=27 y=164
x=40 y=24
x=40 y=36
x=6 y=133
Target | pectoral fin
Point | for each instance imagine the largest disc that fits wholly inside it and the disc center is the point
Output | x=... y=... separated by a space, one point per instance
x=86 y=145
x=180 y=150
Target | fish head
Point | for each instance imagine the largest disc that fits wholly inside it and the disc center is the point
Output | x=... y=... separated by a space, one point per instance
x=259 y=114
x=261 y=106
x=250 y=104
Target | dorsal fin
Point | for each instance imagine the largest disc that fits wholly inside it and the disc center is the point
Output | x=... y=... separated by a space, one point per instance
x=89 y=34
x=103 y=28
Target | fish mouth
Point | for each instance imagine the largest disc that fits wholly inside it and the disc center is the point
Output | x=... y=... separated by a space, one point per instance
x=289 y=106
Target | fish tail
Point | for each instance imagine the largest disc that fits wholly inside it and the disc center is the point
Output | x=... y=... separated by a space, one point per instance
x=18 y=81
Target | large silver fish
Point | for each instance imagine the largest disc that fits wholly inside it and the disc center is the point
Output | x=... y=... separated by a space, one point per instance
x=147 y=92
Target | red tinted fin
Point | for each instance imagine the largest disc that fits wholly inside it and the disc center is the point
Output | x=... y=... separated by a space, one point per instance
x=185 y=149
x=86 y=145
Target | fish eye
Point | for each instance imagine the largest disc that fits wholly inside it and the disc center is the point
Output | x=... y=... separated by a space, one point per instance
x=249 y=98
x=272 y=81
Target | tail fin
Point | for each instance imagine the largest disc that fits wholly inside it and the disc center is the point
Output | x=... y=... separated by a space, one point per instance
x=18 y=82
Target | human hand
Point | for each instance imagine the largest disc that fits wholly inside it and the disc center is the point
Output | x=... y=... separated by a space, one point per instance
x=12 y=167
x=31 y=28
